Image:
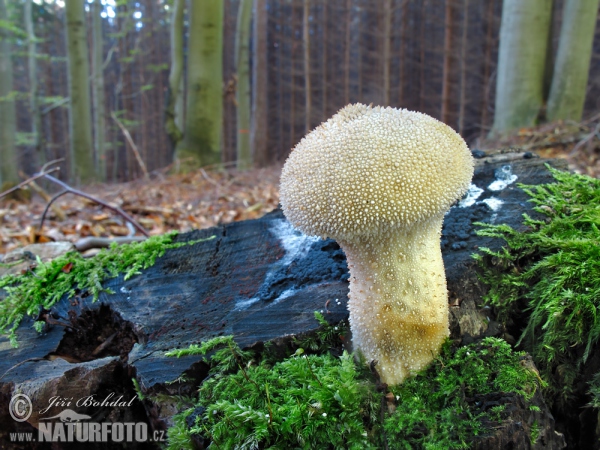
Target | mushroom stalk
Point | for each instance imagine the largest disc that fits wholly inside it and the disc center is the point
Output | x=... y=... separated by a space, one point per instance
x=378 y=181
x=398 y=298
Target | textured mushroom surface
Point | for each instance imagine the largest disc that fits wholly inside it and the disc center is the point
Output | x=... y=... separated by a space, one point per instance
x=379 y=180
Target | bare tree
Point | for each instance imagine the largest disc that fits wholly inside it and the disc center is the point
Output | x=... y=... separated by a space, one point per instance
x=521 y=61
x=8 y=154
x=259 y=129
x=201 y=143
x=173 y=113
x=80 y=120
x=34 y=111
x=242 y=93
x=98 y=89
x=307 y=86
x=570 y=75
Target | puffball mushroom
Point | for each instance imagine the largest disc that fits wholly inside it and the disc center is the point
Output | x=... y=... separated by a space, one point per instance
x=379 y=181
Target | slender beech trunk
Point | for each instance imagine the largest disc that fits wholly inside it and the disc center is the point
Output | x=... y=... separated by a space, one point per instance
x=347 y=52
x=80 y=118
x=8 y=154
x=448 y=57
x=201 y=143
x=259 y=128
x=422 y=61
x=324 y=64
x=174 y=107
x=291 y=58
x=521 y=62
x=463 y=68
x=34 y=110
x=242 y=93
x=307 y=87
x=403 y=43
x=569 y=80
x=386 y=53
x=98 y=90
x=487 y=64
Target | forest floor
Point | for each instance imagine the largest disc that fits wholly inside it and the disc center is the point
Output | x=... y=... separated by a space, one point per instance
x=209 y=197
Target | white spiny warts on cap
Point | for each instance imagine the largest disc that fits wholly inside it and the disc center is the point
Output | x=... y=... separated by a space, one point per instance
x=379 y=180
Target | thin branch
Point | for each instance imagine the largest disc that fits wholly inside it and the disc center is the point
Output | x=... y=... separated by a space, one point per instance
x=69 y=189
x=585 y=140
x=52 y=200
x=132 y=144
x=27 y=181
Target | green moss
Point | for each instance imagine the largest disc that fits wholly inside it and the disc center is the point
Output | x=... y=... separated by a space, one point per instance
x=434 y=410
x=325 y=401
x=550 y=275
x=48 y=282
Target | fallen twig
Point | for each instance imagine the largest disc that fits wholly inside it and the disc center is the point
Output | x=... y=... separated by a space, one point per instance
x=585 y=140
x=27 y=181
x=132 y=144
x=69 y=189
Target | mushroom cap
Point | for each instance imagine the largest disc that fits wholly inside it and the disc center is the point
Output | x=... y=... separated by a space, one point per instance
x=369 y=170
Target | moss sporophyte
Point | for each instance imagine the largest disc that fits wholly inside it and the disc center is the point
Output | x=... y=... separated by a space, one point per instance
x=550 y=276
x=330 y=401
x=48 y=282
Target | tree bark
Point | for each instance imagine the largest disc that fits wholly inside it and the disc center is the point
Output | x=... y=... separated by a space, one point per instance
x=98 y=90
x=570 y=77
x=386 y=56
x=347 y=52
x=173 y=116
x=307 y=86
x=448 y=59
x=201 y=143
x=8 y=154
x=80 y=121
x=487 y=64
x=242 y=93
x=521 y=60
x=259 y=128
x=34 y=111
x=463 y=68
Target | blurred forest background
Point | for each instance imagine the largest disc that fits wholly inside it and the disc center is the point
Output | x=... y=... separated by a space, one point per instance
x=124 y=90
x=306 y=59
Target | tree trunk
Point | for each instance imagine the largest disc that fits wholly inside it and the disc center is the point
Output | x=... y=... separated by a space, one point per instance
x=569 y=81
x=387 y=40
x=8 y=154
x=80 y=121
x=98 y=90
x=201 y=143
x=448 y=58
x=521 y=60
x=307 y=87
x=487 y=64
x=242 y=93
x=259 y=128
x=324 y=61
x=463 y=67
x=173 y=120
x=347 y=52
x=402 y=58
x=34 y=111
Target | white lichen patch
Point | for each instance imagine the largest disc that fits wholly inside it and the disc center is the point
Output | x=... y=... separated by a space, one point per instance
x=295 y=244
x=242 y=305
x=504 y=177
x=494 y=203
x=285 y=294
x=471 y=196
